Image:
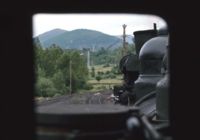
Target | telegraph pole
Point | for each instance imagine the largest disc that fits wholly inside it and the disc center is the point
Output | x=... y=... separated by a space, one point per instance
x=124 y=50
x=70 y=76
x=88 y=58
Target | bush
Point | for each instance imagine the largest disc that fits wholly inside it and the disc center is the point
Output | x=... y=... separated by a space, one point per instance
x=93 y=72
x=106 y=65
x=98 y=78
x=44 y=87
x=108 y=72
x=100 y=73
x=57 y=95
x=101 y=87
x=88 y=87
x=115 y=70
x=112 y=76
x=50 y=92
x=59 y=82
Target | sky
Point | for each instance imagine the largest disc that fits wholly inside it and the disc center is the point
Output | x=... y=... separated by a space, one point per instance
x=107 y=23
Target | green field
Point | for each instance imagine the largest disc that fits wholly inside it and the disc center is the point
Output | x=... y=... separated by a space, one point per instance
x=101 y=68
x=104 y=83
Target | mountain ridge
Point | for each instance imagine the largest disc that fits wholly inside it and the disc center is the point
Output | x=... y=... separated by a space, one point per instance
x=79 y=39
x=50 y=34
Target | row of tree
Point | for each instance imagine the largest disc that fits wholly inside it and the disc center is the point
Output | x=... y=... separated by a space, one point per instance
x=53 y=70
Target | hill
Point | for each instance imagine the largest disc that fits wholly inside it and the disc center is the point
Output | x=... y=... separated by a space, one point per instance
x=79 y=39
x=50 y=34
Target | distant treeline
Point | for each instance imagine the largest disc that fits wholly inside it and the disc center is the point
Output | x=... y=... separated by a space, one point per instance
x=109 y=56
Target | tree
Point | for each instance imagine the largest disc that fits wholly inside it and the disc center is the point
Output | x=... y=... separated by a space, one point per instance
x=44 y=87
x=58 y=80
x=52 y=70
x=93 y=72
x=98 y=78
x=50 y=59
